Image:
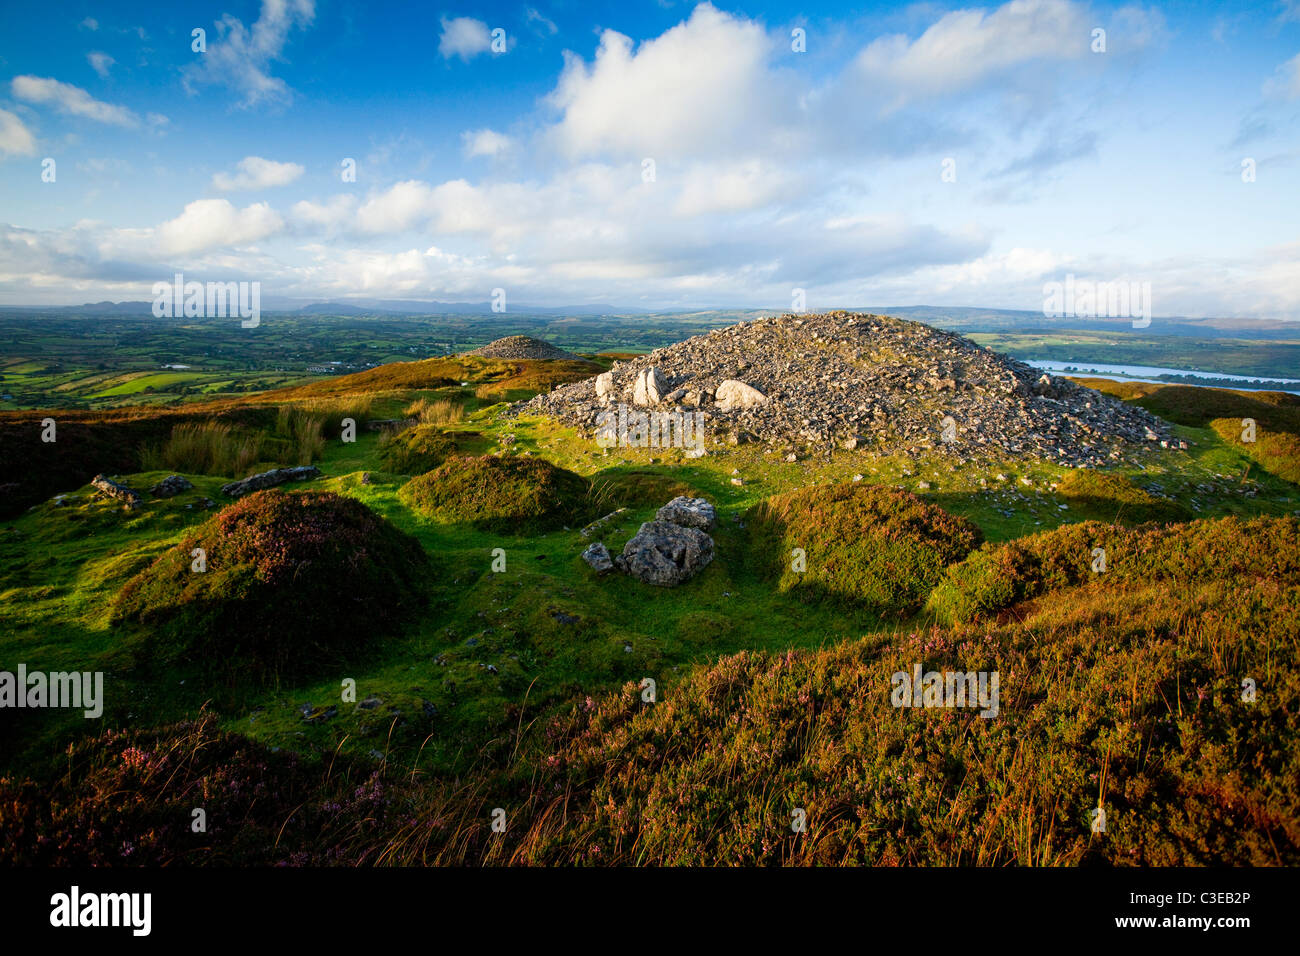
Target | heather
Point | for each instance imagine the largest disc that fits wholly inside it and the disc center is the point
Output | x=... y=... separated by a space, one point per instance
x=1229 y=549
x=293 y=581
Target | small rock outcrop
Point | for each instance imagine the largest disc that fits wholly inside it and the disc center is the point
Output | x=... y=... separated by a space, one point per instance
x=666 y=554
x=650 y=386
x=269 y=479
x=171 y=486
x=111 y=489
x=600 y=524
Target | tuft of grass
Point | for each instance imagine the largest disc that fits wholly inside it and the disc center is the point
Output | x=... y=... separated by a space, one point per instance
x=205 y=448
x=637 y=488
x=438 y=411
x=413 y=451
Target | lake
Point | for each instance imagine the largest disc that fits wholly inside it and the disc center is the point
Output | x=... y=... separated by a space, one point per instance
x=1150 y=373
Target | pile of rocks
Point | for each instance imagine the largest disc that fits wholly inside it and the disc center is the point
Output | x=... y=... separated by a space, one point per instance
x=521 y=347
x=672 y=548
x=866 y=382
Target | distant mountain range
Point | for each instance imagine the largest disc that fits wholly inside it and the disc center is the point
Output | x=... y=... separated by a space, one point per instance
x=955 y=318
x=349 y=307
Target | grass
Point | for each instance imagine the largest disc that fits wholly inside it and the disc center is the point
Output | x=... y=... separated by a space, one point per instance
x=1125 y=697
x=1116 y=497
x=1000 y=576
x=440 y=411
x=471 y=689
x=413 y=451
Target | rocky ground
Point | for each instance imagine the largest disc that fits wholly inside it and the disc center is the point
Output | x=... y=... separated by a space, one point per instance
x=521 y=347
x=870 y=382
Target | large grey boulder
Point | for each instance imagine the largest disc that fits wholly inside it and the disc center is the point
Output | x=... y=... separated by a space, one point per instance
x=604 y=386
x=732 y=394
x=269 y=479
x=666 y=554
x=688 y=512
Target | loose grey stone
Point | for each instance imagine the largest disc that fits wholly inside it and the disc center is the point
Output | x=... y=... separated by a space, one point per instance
x=597 y=556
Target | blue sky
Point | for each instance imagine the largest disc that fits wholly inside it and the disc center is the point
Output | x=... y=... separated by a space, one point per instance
x=772 y=169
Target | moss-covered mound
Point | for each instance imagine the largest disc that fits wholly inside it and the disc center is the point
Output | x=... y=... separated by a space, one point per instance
x=293 y=582
x=862 y=545
x=503 y=495
x=413 y=451
x=1227 y=549
x=1114 y=497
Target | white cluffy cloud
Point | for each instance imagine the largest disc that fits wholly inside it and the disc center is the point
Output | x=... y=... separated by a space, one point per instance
x=71 y=100
x=464 y=37
x=257 y=173
x=966 y=46
x=1286 y=82
x=215 y=223
x=704 y=82
x=240 y=57
x=485 y=142
x=15 y=138
x=101 y=62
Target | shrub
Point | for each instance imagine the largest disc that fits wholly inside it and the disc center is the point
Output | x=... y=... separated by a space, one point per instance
x=505 y=495
x=989 y=579
x=294 y=582
x=413 y=451
x=864 y=545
